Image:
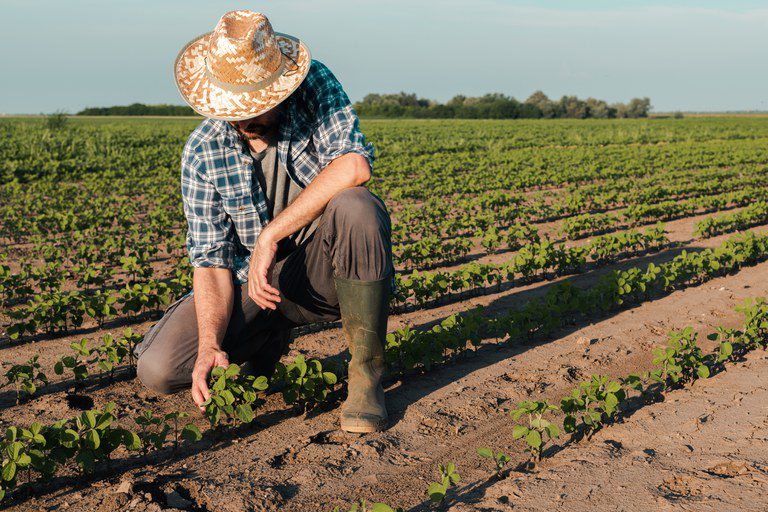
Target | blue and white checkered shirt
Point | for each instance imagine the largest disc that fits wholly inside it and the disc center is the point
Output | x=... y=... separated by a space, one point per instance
x=225 y=208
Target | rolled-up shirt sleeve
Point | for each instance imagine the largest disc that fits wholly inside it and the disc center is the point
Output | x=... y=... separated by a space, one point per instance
x=337 y=129
x=209 y=227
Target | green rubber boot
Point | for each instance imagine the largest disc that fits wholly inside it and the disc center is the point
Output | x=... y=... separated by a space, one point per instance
x=364 y=309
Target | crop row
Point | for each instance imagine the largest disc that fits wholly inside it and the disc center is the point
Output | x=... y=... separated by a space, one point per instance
x=502 y=228
x=421 y=348
x=54 y=311
x=753 y=215
x=535 y=258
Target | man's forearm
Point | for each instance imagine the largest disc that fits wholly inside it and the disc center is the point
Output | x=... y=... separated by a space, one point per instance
x=214 y=295
x=349 y=170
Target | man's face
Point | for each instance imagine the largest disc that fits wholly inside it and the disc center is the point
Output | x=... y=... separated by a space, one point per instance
x=260 y=127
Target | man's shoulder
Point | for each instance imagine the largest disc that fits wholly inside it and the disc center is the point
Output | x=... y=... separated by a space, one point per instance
x=207 y=135
x=319 y=80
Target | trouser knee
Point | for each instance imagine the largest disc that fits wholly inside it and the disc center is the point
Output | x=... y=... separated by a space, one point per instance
x=155 y=374
x=360 y=245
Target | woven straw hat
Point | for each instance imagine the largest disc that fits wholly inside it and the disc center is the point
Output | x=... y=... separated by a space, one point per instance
x=241 y=69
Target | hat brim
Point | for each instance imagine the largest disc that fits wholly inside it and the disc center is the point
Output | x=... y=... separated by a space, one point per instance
x=211 y=101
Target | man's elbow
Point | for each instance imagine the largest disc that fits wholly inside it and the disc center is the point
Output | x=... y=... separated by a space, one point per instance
x=362 y=169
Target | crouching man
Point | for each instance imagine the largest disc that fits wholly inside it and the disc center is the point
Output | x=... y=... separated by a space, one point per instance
x=281 y=232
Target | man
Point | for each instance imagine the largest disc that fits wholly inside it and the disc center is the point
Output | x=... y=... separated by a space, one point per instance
x=280 y=231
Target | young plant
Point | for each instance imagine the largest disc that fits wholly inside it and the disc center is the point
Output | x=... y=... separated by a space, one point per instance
x=499 y=459
x=595 y=401
x=75 y=362
x=680 y=361
x=129 y=340
x=536 y=428
x=190 y=432
x=25 y=377
x=305 y=382
x=448 y=478
x=95 y=439
x=233 y=396
x=108 y=355
x=151 y=433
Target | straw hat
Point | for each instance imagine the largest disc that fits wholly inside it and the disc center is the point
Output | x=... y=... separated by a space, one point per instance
x=241 y=69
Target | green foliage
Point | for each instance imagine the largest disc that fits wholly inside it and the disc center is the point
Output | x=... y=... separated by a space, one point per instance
x=448 y=478
x=364 y=506
x=499 y=459
x=305 y=383
x=536 y=429
x=594 y=402
x=75 y=362
x=26 y=377
x=57 y=120
x=233 y=397
x=681 y=361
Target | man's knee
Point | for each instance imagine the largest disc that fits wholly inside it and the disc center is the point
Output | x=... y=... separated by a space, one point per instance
x=356 y=207
x=156 y=374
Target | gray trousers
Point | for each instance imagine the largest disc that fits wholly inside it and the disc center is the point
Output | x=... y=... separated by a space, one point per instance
x=352 y=241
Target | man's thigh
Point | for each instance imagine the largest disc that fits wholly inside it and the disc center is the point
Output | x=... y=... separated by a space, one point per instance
x=352 y=240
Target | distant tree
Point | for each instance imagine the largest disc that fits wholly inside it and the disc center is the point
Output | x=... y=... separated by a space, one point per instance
x=549 y=109
x=639 y=107
x=599 y=109
x=573 y=107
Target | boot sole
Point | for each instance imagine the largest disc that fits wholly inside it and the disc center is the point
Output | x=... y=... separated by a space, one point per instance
x=363 y=427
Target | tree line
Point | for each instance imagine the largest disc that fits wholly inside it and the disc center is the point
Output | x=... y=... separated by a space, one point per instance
x=402 y=104
x=139 y=109
x=499 y=106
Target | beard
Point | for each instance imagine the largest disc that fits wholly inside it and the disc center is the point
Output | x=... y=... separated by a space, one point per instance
x=256 y=131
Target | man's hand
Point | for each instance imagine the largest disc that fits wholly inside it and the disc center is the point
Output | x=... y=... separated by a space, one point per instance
x=260 y=272
x=207 y=359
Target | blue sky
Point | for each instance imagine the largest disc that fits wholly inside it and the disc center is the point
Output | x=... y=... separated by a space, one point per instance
x=702 y=55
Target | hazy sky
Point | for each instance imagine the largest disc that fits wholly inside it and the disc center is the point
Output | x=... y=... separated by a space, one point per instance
x=687 y=55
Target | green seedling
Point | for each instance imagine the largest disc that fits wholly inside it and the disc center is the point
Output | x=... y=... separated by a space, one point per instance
x=94 y=439
x=536 y=429
x=233 y=396
x=364 y=506
x=595 y=402
x=189 y=431
x=76 y=362
x=499 y=459
x=26 y=377
x=305 y=383
x=108 y=355
x=755 y=321
x=448 y=478
x=129 y=340
x=681 y=361
x=152 y=431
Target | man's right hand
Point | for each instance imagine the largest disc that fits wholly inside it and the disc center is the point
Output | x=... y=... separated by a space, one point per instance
x=207 y=359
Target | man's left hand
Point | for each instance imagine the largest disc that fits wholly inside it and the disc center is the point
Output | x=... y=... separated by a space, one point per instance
x=260 y=272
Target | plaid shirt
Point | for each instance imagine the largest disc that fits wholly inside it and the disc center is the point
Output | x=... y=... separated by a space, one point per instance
x=225 y=208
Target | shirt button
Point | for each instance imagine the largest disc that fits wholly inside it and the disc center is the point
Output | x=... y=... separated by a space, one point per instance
x=241 y=208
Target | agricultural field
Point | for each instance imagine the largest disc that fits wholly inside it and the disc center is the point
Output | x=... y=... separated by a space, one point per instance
x=580 y=324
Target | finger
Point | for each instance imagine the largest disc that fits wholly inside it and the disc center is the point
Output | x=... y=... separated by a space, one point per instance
x=266 y=287
x=197 y=396
x=268 y=297
x=266 y=303
x=204 y=390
